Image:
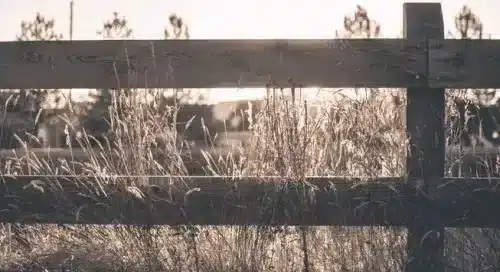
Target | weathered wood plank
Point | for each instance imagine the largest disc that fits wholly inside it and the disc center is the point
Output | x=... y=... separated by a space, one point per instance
x=462 y=202
x=464 y=63
x=331 y=201
x=201 y=200
x=425 y=117
x=209 y=63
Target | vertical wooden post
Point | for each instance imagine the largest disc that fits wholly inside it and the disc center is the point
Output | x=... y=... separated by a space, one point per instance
x=426 y=153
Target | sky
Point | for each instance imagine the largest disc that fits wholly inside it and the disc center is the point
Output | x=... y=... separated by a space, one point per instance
x=229 y=19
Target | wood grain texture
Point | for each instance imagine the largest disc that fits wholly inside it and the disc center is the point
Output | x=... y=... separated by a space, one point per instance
x=425 y=115
x=464 y=63
x=333 y=201
x=192 y=200
x=210 y=63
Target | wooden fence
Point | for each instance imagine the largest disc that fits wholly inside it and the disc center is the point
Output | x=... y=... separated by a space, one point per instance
x=423 y=62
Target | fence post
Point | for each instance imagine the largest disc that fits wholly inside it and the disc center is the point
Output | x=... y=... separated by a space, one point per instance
x=425 y=129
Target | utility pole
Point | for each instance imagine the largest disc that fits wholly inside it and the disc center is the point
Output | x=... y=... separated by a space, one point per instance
x=71 y=20
x=70 y=96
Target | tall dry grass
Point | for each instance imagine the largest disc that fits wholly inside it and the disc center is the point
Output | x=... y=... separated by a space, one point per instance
x=292 y=136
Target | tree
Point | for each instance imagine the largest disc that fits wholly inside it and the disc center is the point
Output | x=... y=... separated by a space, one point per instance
x=96 y=121
x=40 y=29
x=116 y=28
x=468 y=24
x=28 y=103
x=360 y=25
x=473 y=116
x=179 y=28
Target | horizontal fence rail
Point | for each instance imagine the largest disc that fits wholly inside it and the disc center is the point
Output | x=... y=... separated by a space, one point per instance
x=248 y=63
x=210 y=63
x=330 y=201
x=464 y=63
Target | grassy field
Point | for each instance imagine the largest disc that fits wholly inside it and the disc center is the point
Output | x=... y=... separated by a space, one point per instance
x=290 y=137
